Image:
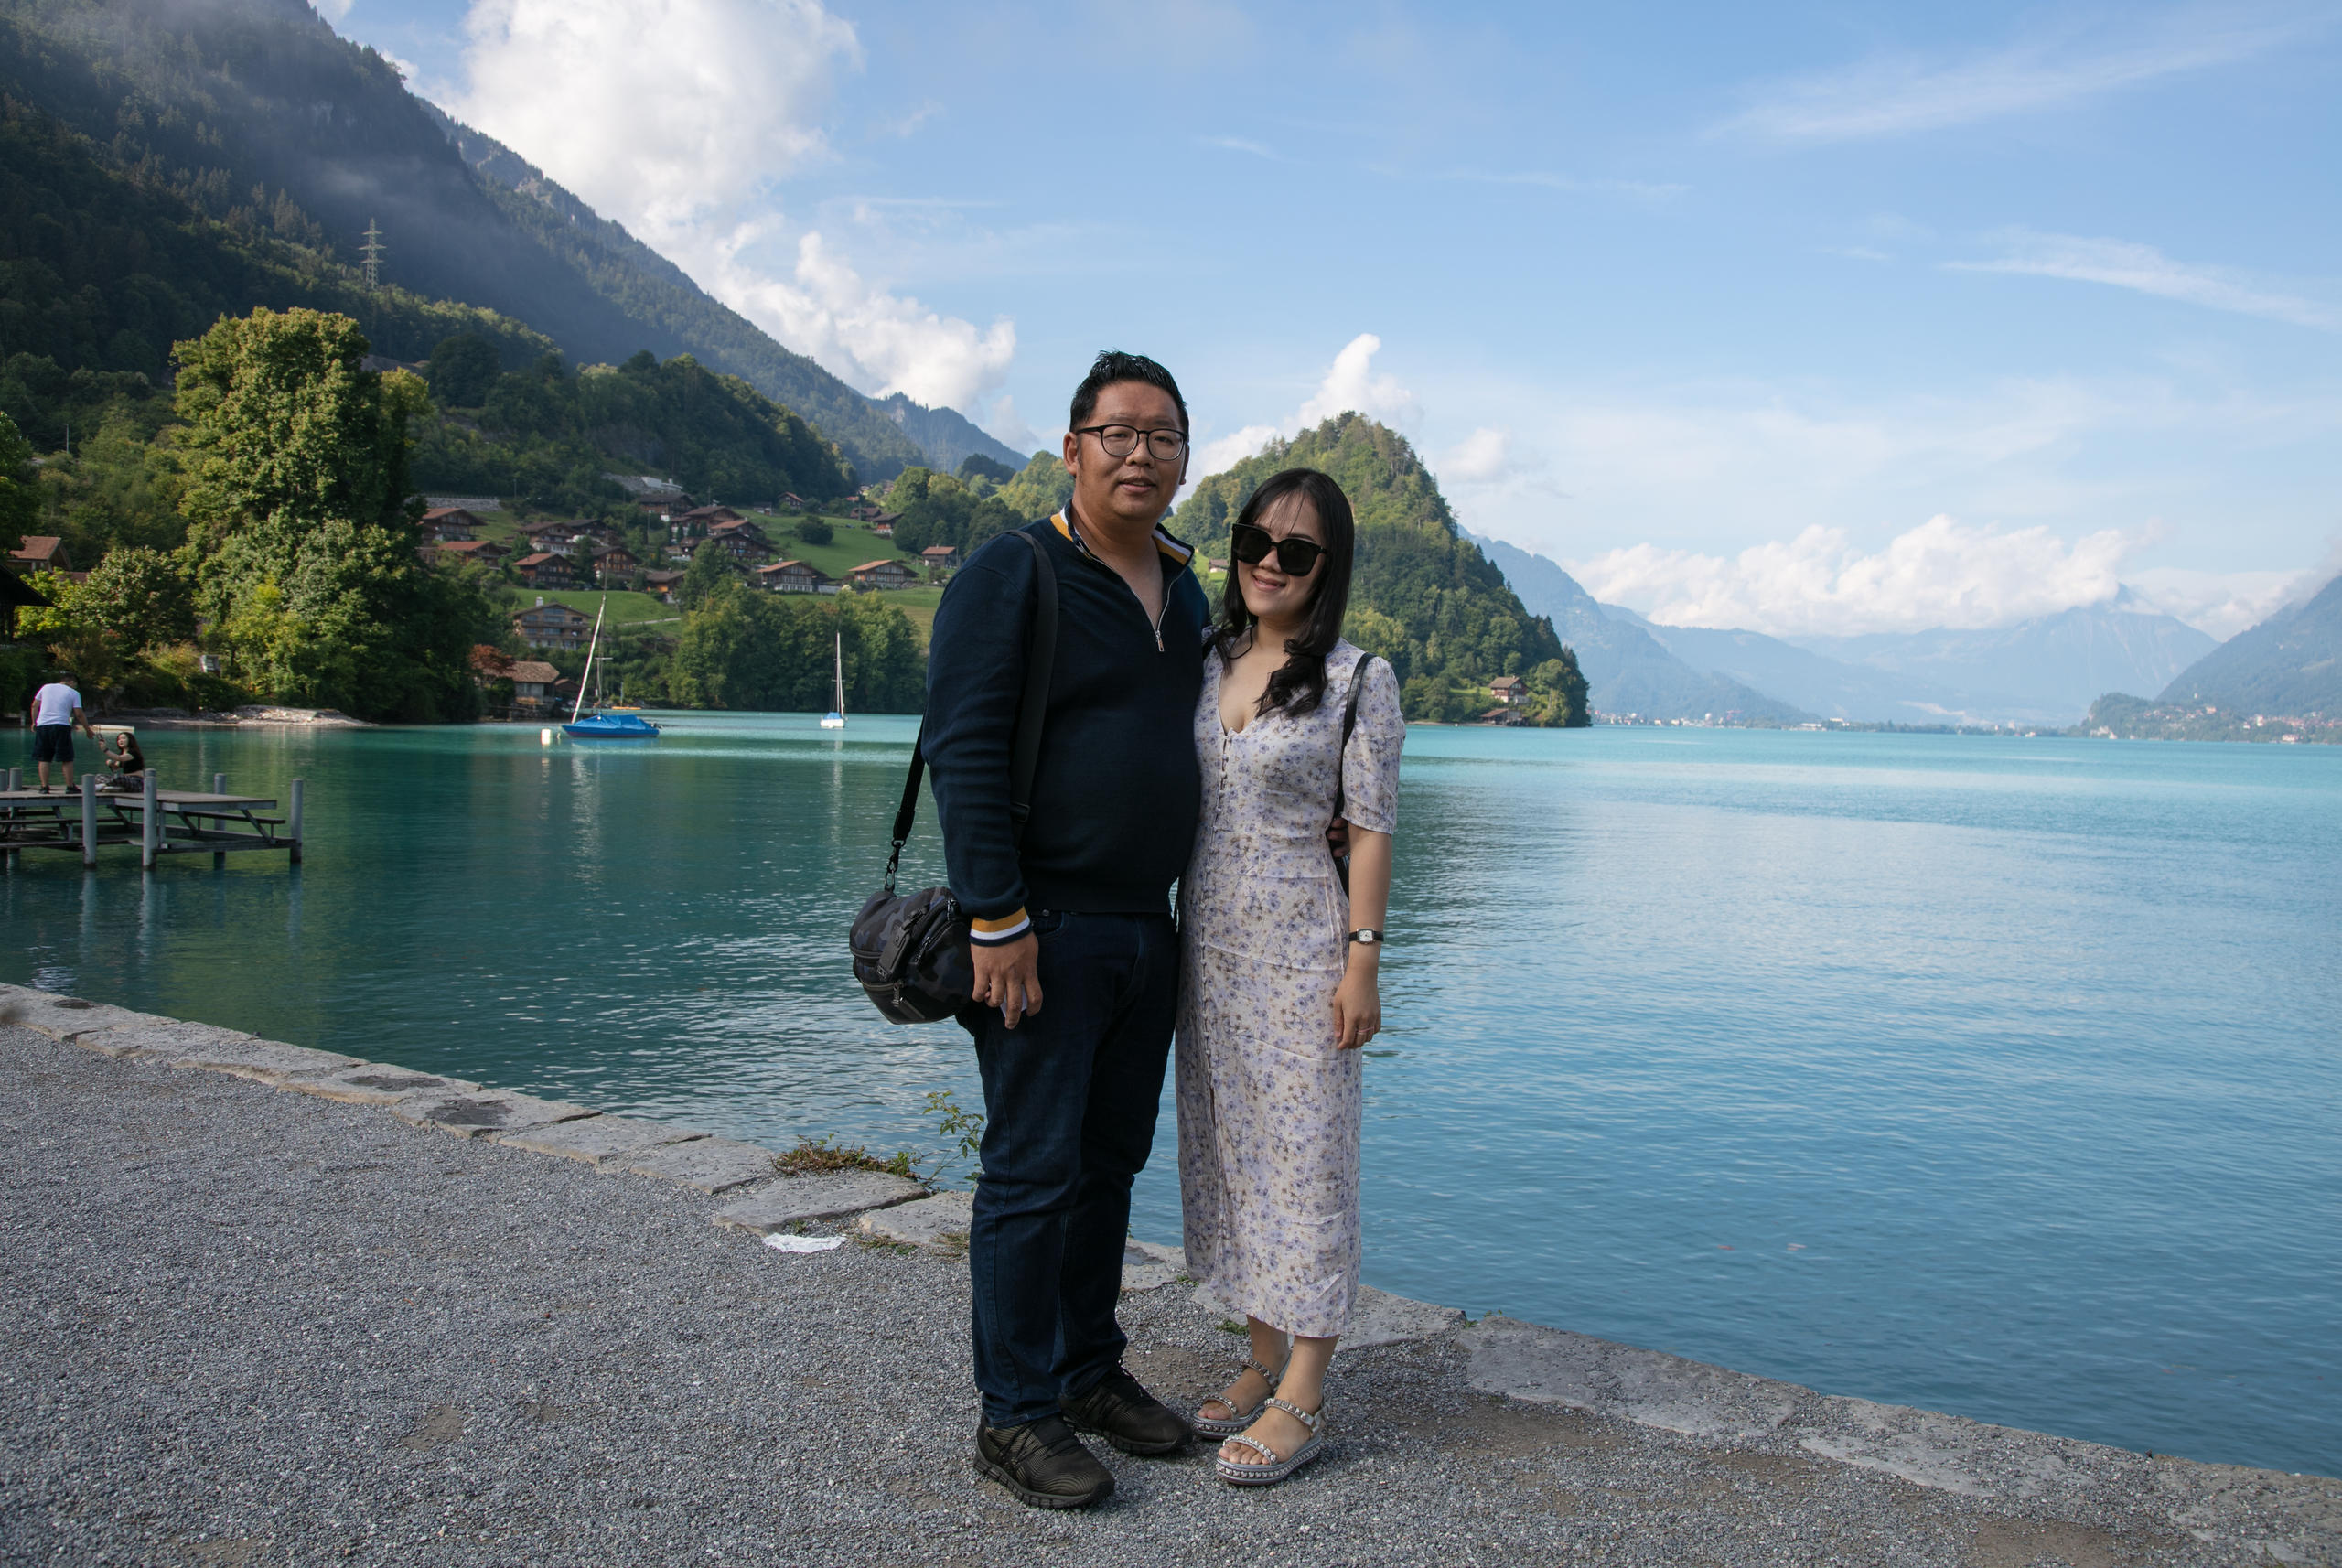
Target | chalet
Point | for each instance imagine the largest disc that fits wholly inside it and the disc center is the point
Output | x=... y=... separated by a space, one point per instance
x=883 y=525
x=865 y=513
x=532 y=681
x=699 y=522
x=1510 y=690
x=442 y=523
x=544 y=569
x=792 y=500
x=889 y=574
x=39 y=552
x=1502 y=717
x=740 y=540
x=447 y=552
x=792 y=577
x=661 y=585
x=939 y=557
x=616 y=561
x=552 y=625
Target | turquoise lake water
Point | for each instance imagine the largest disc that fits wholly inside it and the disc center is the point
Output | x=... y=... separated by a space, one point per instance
x=1998 y=1077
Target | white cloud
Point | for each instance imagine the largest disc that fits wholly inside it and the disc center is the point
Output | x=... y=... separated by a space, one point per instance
x=2122 y=264
x=2221 y=602
x=1482 y=457
x=1898 y=94
x=337 y=9
x=1940 y=574
x=679 y=118
x=1350 y=385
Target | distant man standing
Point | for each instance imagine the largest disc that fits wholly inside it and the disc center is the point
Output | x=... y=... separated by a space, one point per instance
x=1079 y=908
x=56 y=711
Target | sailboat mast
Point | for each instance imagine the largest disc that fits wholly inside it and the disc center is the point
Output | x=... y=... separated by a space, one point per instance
x=583 y=679
x=841 y=654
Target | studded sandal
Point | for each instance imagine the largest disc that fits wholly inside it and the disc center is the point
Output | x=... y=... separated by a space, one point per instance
x=1274 y=1469
x=1228 y=1426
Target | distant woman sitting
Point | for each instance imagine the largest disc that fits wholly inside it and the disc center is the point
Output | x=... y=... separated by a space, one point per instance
x=125 y=758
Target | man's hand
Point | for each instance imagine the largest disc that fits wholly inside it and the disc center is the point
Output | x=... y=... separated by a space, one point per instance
x=1008 y=977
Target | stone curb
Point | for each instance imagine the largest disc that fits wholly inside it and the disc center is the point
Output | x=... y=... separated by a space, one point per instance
x=1506 y=1357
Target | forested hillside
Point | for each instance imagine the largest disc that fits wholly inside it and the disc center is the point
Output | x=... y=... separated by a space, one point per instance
x=880 y=437
x=101 y=271
x=1425 y=596
x=256 y=115
x=548 y=436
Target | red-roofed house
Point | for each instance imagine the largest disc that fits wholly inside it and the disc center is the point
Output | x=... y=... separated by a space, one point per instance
x=487 y=552
x=544 y=570
x=792 y=577
x=39 y=552
x=883 y=575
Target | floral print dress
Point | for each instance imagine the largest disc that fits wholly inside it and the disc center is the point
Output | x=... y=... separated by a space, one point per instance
x=1269 y=1110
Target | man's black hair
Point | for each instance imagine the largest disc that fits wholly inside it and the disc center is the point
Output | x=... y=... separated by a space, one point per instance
x=1113 y=365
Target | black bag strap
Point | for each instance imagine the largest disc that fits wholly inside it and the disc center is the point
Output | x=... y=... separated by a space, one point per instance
x=1032 y=713
x=1350 y=724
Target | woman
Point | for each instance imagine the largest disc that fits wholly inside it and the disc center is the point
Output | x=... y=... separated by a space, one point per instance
x=126 y=759
x=1277 y=984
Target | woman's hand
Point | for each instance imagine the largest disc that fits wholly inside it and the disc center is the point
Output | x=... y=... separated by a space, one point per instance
x=1357 y=1001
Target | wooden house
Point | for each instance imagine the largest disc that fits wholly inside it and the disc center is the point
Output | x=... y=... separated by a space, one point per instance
x=939 y=557
x=532 y=682
x=1510 y=690
x=617 y=561
x=792 y=577
x=887 y=573
x=442 y=523
x=546 y=569
x=39 y=552
x=551 y=625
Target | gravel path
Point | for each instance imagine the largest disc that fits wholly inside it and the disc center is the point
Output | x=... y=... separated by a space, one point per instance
x=245 y=1326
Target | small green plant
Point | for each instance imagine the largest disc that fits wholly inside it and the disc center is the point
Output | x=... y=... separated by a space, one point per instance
x=954 y=1120
x=1229 y=1326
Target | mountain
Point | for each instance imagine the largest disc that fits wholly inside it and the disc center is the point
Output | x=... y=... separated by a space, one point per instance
x=1825 y=686
x=2289 y=664
x=101 y=273
x=2045 y=671
x=257 y=115
x=1423 y=594
x=881 y=436
x=1628 y=669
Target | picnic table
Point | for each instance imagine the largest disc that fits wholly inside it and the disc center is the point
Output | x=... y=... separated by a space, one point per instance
x=160 y=821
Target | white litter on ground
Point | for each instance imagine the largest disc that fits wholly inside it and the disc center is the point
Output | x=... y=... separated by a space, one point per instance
x=803 y=1243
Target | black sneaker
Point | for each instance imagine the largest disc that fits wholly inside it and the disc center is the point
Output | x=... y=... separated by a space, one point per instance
x=1044 y=1464
x=1119 y=1409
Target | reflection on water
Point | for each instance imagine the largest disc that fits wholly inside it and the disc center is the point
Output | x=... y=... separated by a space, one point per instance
x=1996 y=1076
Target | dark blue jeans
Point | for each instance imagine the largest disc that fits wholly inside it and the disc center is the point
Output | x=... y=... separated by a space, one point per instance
x=1071 y=1096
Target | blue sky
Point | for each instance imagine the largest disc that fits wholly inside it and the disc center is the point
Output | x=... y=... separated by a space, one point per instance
x=1810 y=317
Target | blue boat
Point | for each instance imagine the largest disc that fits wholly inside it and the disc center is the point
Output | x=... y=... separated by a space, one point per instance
x=611 y=726
x=583 y=726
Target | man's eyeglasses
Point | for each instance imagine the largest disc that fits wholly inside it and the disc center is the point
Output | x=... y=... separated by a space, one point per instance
x=1296 y=557
x=1122 y=440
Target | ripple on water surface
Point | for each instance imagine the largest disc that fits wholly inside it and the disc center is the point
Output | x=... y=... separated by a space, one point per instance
x=1993 y=1075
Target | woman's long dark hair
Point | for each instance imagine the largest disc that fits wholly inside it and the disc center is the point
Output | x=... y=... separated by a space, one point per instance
x=1299 y=684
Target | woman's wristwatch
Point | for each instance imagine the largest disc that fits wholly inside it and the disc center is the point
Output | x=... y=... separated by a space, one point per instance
x=1367 y=936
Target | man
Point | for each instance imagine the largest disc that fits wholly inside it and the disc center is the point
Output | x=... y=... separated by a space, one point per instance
x=1076 y=912
x=56 y=713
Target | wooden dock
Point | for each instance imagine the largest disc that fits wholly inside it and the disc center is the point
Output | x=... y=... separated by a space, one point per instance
x=160 y=822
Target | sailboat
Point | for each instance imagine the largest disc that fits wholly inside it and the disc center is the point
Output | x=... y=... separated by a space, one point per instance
x=599 y=725
x=835 y=717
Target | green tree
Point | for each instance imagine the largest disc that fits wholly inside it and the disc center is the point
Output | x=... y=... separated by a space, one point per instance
x=463 y=366
x=19 y=492
x=816 y=531
x=296 y=471
x=711 y=569
x=142 y=598
x=976 y=466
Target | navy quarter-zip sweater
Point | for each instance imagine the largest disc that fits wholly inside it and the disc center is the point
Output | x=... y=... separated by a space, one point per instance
x=1116 y=793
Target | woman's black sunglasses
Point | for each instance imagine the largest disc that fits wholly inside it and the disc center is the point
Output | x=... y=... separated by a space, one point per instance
x=1295 y=557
